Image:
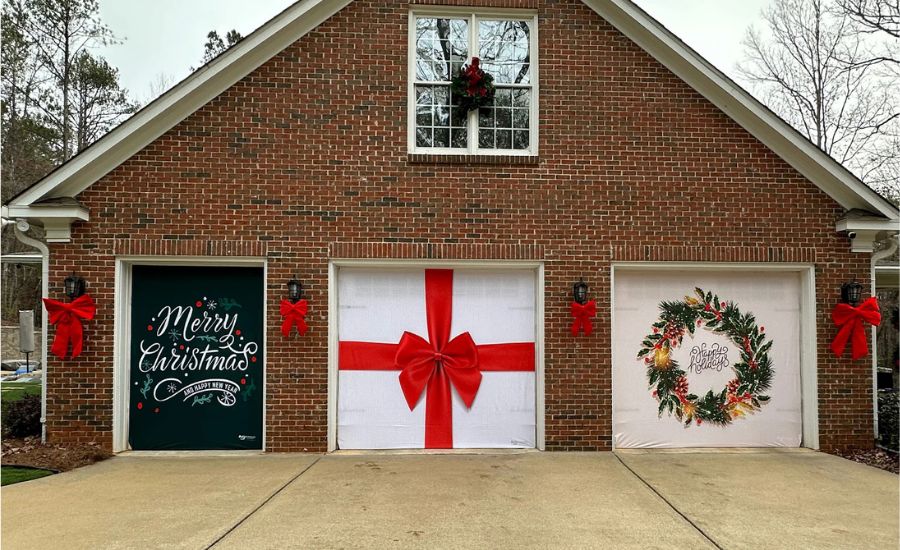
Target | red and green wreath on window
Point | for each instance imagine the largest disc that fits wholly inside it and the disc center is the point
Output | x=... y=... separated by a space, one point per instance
x=472 y=88
x=753 y=372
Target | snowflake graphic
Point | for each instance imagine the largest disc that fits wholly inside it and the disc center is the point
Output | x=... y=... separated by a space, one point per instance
x=211 y=304
x=173 y=334
x=171 y=387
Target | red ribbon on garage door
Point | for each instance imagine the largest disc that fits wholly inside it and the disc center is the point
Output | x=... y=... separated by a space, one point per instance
x=435 y=364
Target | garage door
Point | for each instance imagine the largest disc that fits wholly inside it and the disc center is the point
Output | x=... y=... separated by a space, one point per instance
x=706 y=359
x=436 y=358
x=196 y=375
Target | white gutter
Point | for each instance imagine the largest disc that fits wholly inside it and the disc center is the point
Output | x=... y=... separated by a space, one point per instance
x=21 y=227
x=876 y=256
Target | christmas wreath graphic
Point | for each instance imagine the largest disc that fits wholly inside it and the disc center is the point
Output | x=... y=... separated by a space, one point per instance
x=753 y=372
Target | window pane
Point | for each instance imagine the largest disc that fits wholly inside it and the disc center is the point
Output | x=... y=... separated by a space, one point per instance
x=504 y=139
x=423 y=137
x=520 y=139
x=441 y=47
x=441 y=137
x=504 y=49
x=486 y=139
x=436 y=117
x=459 y=138
x=486 y=117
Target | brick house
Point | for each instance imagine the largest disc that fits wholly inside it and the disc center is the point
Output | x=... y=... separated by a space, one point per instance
x=326 y=148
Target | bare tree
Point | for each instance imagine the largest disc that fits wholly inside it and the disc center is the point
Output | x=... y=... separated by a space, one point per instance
x=61 y=31
x=874 y=15
x=816 y=67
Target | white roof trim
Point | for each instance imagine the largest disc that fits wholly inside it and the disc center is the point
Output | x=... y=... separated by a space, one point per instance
x=182 y=100
x=835 y=180
x=121 y=143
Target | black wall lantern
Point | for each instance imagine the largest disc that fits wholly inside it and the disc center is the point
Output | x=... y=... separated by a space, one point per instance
x=580 y=292
x=851 y=293
x=295 y=290
x=74 y=286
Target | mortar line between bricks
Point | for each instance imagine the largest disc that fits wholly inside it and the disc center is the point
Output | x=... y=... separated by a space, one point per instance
x=263 y=503
x=672 y=506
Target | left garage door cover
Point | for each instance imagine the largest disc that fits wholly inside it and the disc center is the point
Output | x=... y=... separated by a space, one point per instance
x=196 y=358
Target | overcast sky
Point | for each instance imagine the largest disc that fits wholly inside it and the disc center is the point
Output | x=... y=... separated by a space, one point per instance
x=166 y=37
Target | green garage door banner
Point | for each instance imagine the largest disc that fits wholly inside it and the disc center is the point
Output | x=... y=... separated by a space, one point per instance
x=196 y=358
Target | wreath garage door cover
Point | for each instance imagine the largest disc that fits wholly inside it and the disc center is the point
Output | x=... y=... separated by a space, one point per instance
x=196 y=358
x=707 y=359
x=436 y=358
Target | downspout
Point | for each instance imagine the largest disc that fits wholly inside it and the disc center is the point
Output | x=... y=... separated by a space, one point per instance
x=21 y=228
x=876 y=256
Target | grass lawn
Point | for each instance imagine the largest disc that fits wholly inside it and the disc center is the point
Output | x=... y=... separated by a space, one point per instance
x=13 y=391
x=14 y=474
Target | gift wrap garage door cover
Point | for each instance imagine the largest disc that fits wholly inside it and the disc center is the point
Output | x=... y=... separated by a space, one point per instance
x=447 y=358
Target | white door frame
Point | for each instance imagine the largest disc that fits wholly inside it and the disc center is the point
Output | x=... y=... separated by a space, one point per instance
x=809 y=395
x=122 y=332
x=536 y=266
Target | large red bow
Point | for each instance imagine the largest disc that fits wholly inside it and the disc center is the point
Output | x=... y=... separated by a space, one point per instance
x=850 y=320
x=424 y=364
x=294 y=314
x=583 y=314
x=67 y=318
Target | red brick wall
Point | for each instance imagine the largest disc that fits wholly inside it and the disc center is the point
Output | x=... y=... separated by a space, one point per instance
x=309 y=152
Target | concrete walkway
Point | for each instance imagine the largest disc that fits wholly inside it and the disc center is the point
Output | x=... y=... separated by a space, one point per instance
x=759 y=499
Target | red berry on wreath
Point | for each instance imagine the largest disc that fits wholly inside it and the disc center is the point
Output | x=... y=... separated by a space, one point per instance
x=253 y=359
x=762 y=329
x=237 y=332
x=181 y=346
x=156 y=410
x=140 y=405
x=243 y=381
x=150 y=328
x=199 y=303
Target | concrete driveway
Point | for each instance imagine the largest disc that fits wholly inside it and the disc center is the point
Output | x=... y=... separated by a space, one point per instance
x=737 y=499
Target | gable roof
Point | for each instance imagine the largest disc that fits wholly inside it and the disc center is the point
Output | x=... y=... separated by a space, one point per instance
x=212 y=79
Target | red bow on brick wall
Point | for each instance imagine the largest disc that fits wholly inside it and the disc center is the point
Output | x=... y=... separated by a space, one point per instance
x=294 y=314
x=583 y=313
x=67 y=319
x=850 y=320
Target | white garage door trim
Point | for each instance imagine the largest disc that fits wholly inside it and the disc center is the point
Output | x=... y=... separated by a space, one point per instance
x=122 y=336
x=808 y=373
x=335 y=265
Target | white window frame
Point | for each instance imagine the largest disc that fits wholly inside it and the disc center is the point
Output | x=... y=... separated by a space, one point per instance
x=473 y=16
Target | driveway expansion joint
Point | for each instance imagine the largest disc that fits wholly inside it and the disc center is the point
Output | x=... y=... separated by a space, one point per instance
x=275 y=493
x=669 y=504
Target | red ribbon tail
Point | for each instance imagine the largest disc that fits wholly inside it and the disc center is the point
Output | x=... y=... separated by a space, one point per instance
x=438 y=412
x=588 y=327
x=839 y=344
x=286 y=326
x=61 y=341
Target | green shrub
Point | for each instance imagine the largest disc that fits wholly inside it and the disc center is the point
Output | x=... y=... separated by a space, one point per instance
x=22 y=417
x=888 y=425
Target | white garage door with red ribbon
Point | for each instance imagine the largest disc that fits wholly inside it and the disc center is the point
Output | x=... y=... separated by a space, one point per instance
x=436 y=358
x=706 y=359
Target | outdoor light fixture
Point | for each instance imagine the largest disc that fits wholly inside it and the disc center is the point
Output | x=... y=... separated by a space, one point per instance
x=295 y=290
x=74 y=286
x=851 y=293
x=580 y=291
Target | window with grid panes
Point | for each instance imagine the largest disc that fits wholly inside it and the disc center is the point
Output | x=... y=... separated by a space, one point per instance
x=441 y=45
